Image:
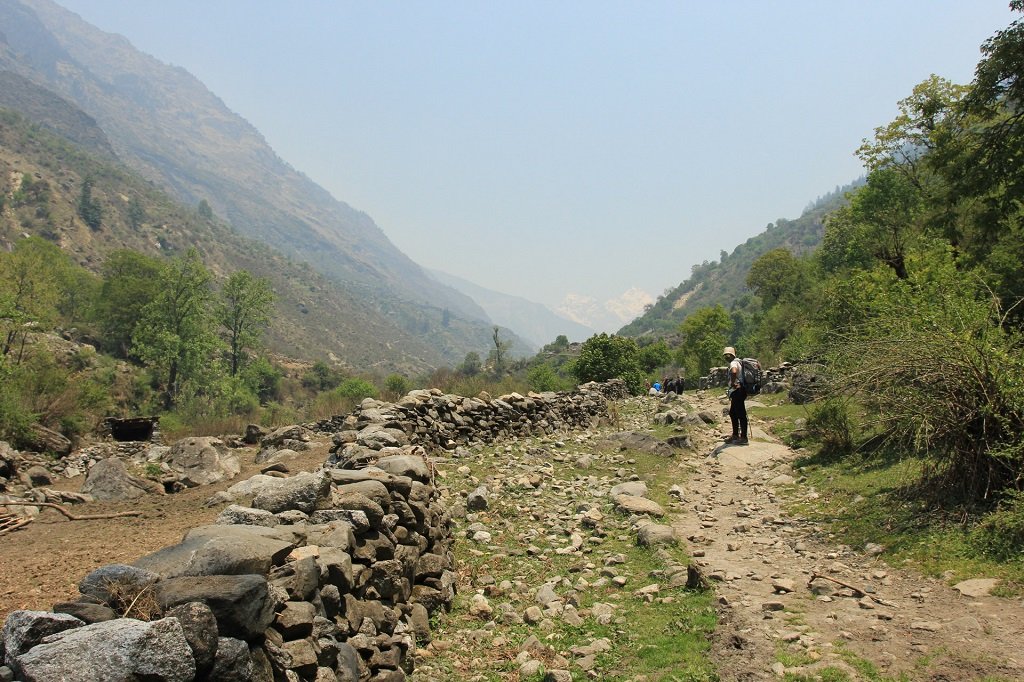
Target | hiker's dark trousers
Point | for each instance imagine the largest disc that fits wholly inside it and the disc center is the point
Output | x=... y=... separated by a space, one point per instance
x=738 y=412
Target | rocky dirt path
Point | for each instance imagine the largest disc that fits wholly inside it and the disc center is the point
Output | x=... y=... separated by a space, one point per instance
x=775 y=622
x=539 y=568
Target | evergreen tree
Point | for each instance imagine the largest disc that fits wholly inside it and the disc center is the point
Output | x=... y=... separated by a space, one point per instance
x=89 y=209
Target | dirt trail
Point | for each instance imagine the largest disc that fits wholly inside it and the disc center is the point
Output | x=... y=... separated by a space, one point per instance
x=760 y=562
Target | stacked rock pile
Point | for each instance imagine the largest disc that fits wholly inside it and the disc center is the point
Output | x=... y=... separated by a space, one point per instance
x=330 y=575
x=437 y=420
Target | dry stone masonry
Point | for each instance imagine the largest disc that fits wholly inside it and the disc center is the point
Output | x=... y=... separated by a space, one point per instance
x=323 y=576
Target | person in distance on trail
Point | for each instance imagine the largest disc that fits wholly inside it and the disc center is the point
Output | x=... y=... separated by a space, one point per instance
x=737 y=394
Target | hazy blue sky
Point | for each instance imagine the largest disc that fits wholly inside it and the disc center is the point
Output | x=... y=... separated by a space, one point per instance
x=541 y=148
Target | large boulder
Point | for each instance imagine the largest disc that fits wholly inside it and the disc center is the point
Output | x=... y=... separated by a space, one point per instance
x=412 y=465
x=200 y=627
x=8 y=463
x=122 y=650
x=109 y=481
x=39 y=438
x=116 y=584
x=631 y=504
x=305 y=492
x=636 y=440
x=241 y=604
x=202 y=461
x=808 y=385
x=276 y=438
x=25 y=629
x=233 y=662
x=222 y=550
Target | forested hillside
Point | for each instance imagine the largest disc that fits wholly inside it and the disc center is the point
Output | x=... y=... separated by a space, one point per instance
x=724 y=282
x=44 y=178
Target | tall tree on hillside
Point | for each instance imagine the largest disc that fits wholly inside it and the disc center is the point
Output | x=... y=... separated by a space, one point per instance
x=497 y=356
x=243 y=311
x=774 y=276
x=136 y=213
x=89 y=209
x=28 y=289
x=175 y=337
x=130 y=283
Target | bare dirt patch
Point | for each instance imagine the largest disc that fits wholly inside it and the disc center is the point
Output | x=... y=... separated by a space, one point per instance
x=41 y=564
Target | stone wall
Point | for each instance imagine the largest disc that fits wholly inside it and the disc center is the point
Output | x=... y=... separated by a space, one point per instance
x=775 y=378
x=323 y=576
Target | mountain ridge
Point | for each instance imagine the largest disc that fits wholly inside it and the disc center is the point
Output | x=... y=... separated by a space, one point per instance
x=166 y=125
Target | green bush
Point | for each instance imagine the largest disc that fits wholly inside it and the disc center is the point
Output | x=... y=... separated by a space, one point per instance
x=1001 y=534
x=15 y=418
x=263 y=379
x=829 y=423
x=636 y=381
x=939 y=375
x=396 y=385
x=542 y=378
x=603 y=357
x=356 y=388
x=321 y=377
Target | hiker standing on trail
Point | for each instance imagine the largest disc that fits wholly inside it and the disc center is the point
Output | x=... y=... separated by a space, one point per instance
x=737 y=394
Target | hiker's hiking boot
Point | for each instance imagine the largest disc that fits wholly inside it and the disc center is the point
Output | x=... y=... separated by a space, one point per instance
x=738 y=440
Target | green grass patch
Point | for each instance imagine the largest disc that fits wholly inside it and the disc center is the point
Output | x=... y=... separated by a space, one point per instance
x=663 y=637
x=876 y=500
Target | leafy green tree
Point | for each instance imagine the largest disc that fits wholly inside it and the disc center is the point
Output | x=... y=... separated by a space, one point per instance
x=542 y=377
x=603 y=357
x=497 y=355
x=396 y=385
x=321 y=377
x=136 y=213
x=560 y=343
x=704 y=333
x=356 y=388
x=243 y=310
x=204 y=209
x=951 y=394
x=175 y=337
x=130 y=282
x=28 y=289
x=89 y=208
x=775 y=275
x=887 y=209
x=654 y=355
x=992 y=113
x=79 y=291
x=471 y=364
x=263 y=379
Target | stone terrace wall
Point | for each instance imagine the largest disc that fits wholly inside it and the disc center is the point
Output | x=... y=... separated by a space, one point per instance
x=324 y=576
